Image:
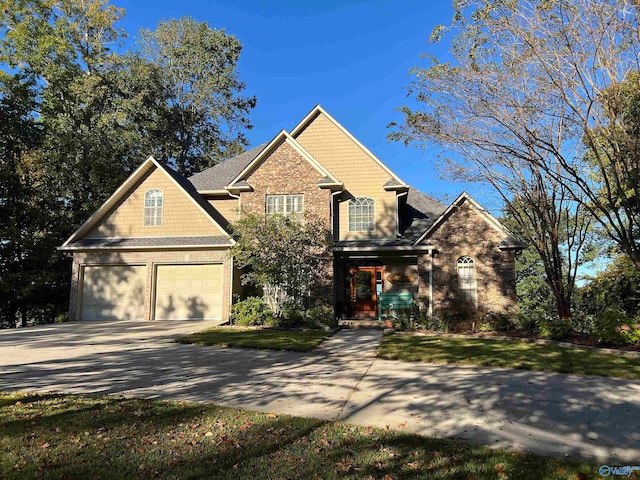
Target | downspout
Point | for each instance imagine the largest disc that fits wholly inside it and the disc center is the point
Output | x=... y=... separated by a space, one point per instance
x=398 y=195
x=333 y=212
x=431 y=283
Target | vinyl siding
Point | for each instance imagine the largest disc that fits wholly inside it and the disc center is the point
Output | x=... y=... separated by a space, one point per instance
x=362 y=176
x=181 y=217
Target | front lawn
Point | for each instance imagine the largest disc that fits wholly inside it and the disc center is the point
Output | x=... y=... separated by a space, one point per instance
x=87 y=437
x=266 y=338
x=507 y=354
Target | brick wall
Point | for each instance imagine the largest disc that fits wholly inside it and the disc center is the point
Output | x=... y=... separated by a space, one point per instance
x=149 y=259
x=465 y=232
x=286 y=172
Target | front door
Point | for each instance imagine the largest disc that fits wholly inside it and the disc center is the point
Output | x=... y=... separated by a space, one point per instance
x=366 y=282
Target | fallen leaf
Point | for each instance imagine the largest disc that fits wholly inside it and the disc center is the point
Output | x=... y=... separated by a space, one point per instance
x=44 y=444
x=271 y=415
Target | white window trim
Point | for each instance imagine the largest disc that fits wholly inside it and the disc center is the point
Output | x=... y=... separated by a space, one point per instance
x=161 y=208
x=464 y=262
x=373 y=214
x=283 y=200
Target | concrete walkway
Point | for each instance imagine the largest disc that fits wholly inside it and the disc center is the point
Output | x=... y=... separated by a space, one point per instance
x=554 y=414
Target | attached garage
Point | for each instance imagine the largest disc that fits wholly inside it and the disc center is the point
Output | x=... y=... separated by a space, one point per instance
x=113 y=292
x=193 y=291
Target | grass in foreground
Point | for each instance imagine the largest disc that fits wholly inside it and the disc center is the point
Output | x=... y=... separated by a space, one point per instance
x=73 y=437
x=271 y=339
x=507 y=354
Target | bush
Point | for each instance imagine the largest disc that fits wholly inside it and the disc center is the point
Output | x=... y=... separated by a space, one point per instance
x=321 y=317
x=614 y=327
x=553 y=328
x=496 y=321
x=249 y=312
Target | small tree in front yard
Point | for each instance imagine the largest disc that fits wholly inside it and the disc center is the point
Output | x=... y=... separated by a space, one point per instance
x=283 y=255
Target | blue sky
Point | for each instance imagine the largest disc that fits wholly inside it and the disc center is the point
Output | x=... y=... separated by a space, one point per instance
x=352 y=57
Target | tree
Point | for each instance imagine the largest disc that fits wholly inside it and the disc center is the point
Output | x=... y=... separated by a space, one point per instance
x=206 y=113
x=513 y=106
x=283 y=255
x=99 y=115
x=536 y=80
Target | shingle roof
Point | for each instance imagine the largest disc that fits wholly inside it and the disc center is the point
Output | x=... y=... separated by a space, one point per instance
x=219 y=176
x=422 y=212
x=193 y=193
x=89 y=243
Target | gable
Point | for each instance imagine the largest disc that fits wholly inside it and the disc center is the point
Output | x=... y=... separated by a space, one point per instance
x=181 y=215
x=285 y=171
x=340 y=153
x=466 y=222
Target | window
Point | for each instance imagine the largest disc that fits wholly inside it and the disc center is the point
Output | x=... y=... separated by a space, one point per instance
x=467 y=280
x=285 y=204
x=153 y=201
x=361 y=214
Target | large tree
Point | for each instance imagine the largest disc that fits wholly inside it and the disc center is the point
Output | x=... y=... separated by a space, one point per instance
x=206 y=114
x=101 y=113
x=517 y=104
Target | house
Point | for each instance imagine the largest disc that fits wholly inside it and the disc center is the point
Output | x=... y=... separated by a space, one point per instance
x=158 y=248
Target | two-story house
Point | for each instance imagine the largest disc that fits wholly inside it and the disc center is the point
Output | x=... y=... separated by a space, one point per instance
x=159 y=246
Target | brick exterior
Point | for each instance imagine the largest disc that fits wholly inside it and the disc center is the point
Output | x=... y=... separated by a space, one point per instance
x=150 y=259
x=286 y=172
x=466 y=232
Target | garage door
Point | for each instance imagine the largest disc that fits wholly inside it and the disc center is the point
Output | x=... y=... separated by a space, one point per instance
x=189 y=292
x=113 y=292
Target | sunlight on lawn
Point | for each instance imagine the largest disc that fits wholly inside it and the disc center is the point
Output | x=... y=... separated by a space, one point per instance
x=508 y=354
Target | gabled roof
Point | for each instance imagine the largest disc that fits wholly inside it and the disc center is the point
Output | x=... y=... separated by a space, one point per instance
x=214 y=179
x=509 y=242
x=130 y=183
x=281 y=137
x=317 y=110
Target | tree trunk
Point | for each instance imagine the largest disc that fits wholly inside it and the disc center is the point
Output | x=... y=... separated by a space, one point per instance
x=23 y=314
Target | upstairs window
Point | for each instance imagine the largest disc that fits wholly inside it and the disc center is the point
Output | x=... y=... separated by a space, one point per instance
x=467 y=280
x=285 y=204
x=362 y=214
x=153 y=201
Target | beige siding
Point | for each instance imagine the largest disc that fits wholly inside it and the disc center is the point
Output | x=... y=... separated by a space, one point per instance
x=227 y=207
x=181 y=217
x=362 y=176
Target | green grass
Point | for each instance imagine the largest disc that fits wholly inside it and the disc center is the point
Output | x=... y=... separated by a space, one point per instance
x=89 y=437
x=507 y=354
x=271 y=339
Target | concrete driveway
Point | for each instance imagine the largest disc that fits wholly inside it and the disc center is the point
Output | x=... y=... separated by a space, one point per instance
x=554 y=414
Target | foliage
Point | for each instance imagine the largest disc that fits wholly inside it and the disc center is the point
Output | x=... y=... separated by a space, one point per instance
x=58 y=436
x=205 y=109
x=552 y=328
x=513 y=353
x=251 y=311
x=78 y=118
x=535 y=96
x=284 y=255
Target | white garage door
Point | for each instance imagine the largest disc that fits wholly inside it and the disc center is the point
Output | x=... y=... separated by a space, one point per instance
x=113 y=292
x=189 y=292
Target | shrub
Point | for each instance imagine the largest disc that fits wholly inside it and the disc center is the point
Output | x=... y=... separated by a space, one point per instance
x=321 y=317
x=613 y=326
x=553 y=328
x=252 y=311
x=496 y=321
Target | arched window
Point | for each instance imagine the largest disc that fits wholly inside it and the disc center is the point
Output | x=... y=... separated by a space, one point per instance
x=467 y=280
x=362 y=214
x=153 y=201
